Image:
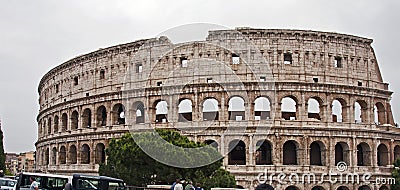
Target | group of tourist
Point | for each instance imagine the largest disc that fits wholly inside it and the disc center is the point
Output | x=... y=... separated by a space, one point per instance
x=178 y=185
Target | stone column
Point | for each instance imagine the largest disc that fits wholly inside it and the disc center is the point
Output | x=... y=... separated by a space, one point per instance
x=197 y=108
x=391 y=153
x=78 y=152
x=223 y=109
x=172 y=103
x=250 y=152
x=353 y=155
x=302 y=109
x=149 y=111
x=374 y=152
x=247 y=109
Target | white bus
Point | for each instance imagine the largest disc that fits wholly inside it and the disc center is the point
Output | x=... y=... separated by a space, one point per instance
x=87 y=182
x=65 y=182
x=45 y=181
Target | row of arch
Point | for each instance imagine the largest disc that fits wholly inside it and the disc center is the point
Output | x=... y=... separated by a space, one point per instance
x=262 y=109
x=85 y=119
x=210 y=109
x=237 y=154
x=59 y=156
x=317 y=151
x=362 y=187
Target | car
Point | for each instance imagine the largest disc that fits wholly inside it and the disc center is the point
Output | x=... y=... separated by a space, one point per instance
x=8 y=184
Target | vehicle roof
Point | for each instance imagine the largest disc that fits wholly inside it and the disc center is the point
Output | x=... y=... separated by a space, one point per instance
x=45 y=174
x=8 y=179
x=98 y=177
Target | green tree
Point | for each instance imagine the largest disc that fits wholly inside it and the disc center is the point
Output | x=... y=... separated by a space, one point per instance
x=2 y=155
x=396 y=174
x=127 y=160
x=220 y=178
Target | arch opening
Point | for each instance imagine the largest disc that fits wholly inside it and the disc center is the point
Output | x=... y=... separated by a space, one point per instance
x=73 y=154
x=289 y=108
x=263 y=153
x=47 y=157
x=139 y=113
x=53 y=156
x=342 y=153
x=396 y=152
x=85 y=154
x=100 y=156
x=290 y=153
x=237 y=153
x=55 y=128
x=262 y=109
x=74 y=120
x=313 y=108
x=383 y=155
x=185 y=110
x=210 y=109
x=379 y=113
x=212 y=143
x=236 y=109
x=62 y=155
x=49 y=123
x=317 y=154
x=87 y=118
x=64 y=122
x=118 y=114
x=337 y=111
x=360 y=111
x=363 y=154
x=161 y=112
x=101 y=116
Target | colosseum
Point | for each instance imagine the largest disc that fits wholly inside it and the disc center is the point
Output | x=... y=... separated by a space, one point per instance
x=271 y=101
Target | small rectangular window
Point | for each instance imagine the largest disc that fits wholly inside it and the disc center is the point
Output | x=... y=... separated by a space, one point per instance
x=287 y=58
x=102 y=74
x=262 y=79
x=315 y=80
x=209 y=80
x=359 y=83
x=159 y=83
x=184 y=62
x=76 y=82
x=87 y=94
x=235 y=59
x=139 y=68
x=337 y=62
x=57 y=88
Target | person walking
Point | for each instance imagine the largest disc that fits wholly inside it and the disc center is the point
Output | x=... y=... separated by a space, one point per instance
x=189 y=186
x=198 y=187
x=178 y=185
x=34 y=184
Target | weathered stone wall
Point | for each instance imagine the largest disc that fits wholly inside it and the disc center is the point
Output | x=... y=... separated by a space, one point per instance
x=110 y=77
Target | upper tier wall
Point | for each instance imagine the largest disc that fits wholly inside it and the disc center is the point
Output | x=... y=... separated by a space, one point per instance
x=313 y=55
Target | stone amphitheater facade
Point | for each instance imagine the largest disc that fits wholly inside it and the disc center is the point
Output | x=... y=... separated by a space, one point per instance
x=272 y=101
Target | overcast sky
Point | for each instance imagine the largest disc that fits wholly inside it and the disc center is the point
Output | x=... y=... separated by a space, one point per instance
x=39 y=35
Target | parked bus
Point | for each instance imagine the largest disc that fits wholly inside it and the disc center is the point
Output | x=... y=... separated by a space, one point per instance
x=74 y=182
x=87 y=182
x=45 y=181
